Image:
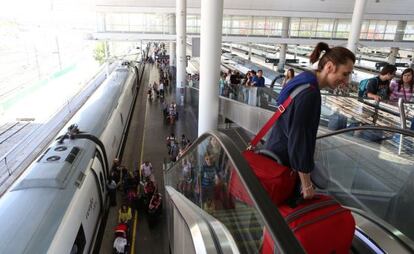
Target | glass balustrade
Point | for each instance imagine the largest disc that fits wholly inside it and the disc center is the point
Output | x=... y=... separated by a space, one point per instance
x=372 y=172
x=207 y=176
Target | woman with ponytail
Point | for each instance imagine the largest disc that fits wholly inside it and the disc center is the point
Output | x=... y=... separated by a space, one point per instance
x=293 y=137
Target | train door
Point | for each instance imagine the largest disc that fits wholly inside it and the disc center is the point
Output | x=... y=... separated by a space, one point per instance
x=100 y=173
x=95 y=189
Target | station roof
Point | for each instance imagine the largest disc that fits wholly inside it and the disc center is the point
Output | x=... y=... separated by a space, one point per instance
x=375 y=9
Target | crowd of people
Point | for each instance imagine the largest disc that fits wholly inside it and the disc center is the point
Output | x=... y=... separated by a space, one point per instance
x=385 y=87
x=138 y=190
x=177 y=146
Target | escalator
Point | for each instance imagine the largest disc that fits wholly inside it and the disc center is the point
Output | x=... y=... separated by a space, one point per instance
x=374 y=178
x=202 y=178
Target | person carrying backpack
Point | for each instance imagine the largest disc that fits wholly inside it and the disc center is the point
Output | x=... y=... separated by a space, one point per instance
x=378 y=88
x=293 y=137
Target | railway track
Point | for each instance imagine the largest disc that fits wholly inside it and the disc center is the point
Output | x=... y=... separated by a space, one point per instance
x=10 y=130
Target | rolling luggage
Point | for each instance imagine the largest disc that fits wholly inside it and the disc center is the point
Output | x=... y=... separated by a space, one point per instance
x=279 y=181
x=321 y=225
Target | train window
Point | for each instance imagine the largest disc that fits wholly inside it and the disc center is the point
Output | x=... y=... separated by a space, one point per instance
x=79 y=243
x=102 y=181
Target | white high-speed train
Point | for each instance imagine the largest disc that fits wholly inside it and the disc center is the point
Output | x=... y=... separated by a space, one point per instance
x=58 y=204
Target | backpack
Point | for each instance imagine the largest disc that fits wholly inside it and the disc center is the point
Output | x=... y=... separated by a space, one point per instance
x=362 y=87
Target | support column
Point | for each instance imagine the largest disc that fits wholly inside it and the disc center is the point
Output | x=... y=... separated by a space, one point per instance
x=399 y=35
x=392 y=57
x=334 y=28
x=106 y=51
x=171 y=19
x=210 y=47
x=296 y=51
x=181 y=15
x=231 y=47
x=356 y=24
x=283 y=46
x=250 y=51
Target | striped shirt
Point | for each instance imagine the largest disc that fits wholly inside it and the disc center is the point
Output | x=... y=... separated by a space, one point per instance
x=404 y=93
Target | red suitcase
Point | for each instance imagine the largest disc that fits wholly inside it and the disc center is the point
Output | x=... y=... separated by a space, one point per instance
x=321 y=225
x=278 y=180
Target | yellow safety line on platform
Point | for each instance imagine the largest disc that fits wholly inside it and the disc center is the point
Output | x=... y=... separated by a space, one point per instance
x=139 y=165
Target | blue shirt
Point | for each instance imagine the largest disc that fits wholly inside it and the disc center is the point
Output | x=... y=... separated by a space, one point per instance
x=208 y=175
x=258 y=82
x=293 y=137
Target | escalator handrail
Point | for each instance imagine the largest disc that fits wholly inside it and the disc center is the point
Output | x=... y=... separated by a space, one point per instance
x=195 y=223
x=405 y=132
x=406 y=242
x=275 y=223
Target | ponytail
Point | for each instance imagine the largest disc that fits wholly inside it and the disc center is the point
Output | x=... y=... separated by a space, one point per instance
x=337 y=55
x=316 y=53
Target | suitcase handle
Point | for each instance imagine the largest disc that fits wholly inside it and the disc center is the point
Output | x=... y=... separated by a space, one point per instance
x=270 y=155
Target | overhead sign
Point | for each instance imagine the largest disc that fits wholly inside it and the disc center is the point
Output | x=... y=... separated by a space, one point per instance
x=276 y=60
x=162 y=57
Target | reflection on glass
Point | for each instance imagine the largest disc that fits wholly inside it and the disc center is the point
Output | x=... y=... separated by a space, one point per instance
x=207 y=177
x=373 y=171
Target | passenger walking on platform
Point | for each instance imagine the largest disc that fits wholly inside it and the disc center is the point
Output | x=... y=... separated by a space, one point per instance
x=161 y=87
x=403 y=88
x=116 y=171
x=170 y=140
x=124 y=214
x=293 y=137
x=378 y=87
x=146 y=170
x=111 y=185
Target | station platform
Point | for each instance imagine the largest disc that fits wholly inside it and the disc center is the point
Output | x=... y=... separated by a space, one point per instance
x=146 y=142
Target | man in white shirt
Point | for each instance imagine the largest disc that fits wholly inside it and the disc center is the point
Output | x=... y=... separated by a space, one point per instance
x=161 y=89
x=146 y=170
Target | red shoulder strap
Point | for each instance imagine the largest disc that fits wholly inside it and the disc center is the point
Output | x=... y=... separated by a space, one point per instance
x=279 y=111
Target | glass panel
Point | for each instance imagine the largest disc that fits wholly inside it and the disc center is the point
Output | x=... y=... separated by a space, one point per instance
x=207 y=177
x=241 y=25
x=294 y=27
x=259 y=24
x=193 y=24
x=380 y=29
x=371 y=29
x=409 y=31
x=339 y=112
x=409 y=115
x=324 y=28
x=364 y=29
x=136 y=22
x=307 y=27
x=372 y=171
x=344 y=26
x=227 y=24
x=273 y=26
x=390 y=30
x=116 y=22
